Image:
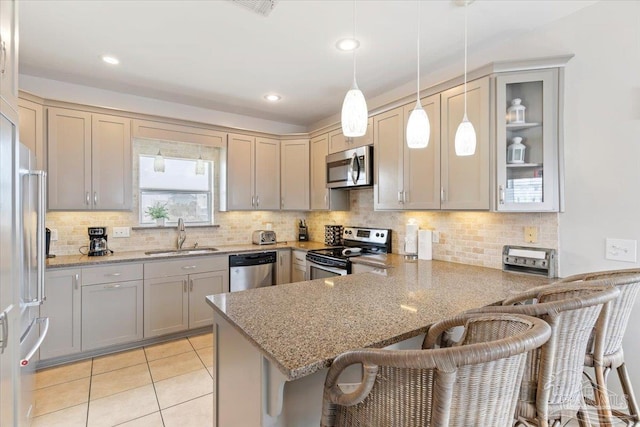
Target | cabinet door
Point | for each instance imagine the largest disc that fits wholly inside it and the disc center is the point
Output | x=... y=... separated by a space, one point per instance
x=283 y=268
x=298 y=273
x=111 y=162
x=294 y=176
x=465 y=179
x=31 y=129
x=69 y=159
x=9 y=52
x=319 y=191
x=111 y=314
x=389 y=158
x=267 y=174
x=201 y=285
x=166 y=305
x=240 y=172
x=62 y=307
x=532 y=183
x=421 y=179
x=338 y=142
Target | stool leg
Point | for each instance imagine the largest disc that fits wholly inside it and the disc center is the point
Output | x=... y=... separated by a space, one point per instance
x=625 y=381
x=602 y=397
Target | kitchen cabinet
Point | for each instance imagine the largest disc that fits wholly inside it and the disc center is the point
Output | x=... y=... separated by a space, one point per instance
x=283 y=267
x=298 y=266
x=174 y=293
x=32 y=129
x=530 y=183
x=338 y=142
x=112 y=304
x=323 y=198
x=9 y=52
x=406 y=179
x=89 y=161
x=294 y=175
x=465 y=179
x=62 y=307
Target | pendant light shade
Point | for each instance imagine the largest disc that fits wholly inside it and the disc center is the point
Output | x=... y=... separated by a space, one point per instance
x=355 y=114
x=418 y=127
x=200 y=163
x=465 y=141
x=158 y=163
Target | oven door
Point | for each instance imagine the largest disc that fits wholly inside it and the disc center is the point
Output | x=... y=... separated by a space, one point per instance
x=317 y=271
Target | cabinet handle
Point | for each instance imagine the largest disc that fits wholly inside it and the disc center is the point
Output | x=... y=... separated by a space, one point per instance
x=399 y=196
x=112 y=286
x=95 y=198
x=87 y=199
x=4 y=340
x=184 y=286
x=282 y=203
x=113 y=274
x=3 y=57
x=442 y=198
x=501 y=194
x=188 y=267
x=191 y=285
x=76 y=281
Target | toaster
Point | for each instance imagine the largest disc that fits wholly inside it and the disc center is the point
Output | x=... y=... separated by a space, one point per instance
x=264 y=237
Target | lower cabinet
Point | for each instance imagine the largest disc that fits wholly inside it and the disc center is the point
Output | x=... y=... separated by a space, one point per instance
x=62 y=307
x=298 y=266
x=111 y=314
x=283 y=267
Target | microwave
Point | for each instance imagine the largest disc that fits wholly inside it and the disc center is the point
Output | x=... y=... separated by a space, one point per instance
x=350 y=168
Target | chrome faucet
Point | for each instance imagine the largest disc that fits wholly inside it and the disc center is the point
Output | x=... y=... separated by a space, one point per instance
x=182 y=233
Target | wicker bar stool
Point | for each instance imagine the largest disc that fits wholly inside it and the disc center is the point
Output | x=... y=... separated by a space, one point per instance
x=552 y=386
x=613 y=329
x=472 y=384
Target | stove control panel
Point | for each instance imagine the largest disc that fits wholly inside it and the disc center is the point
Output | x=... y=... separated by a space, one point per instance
x=367 y=235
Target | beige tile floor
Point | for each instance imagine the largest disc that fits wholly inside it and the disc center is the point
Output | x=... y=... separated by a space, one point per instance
x=163 y=385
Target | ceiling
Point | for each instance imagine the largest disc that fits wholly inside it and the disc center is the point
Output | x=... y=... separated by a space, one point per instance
x=221 y=56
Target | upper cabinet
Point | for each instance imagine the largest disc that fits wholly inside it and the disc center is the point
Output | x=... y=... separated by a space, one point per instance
x=31 y=129
x=406 y=178
x=294 y=175
x=9 y=53
x=89 y=161
x=253 y=173
x=338 y=142
x=465 y=179
x=323 y=198
x=527 y=156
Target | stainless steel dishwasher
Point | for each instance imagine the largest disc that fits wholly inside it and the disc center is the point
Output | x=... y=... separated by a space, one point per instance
x=251 y=270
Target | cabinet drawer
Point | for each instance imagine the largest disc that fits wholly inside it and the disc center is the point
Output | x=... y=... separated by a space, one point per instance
x=182 y=266
x=111 y=273
x=299 y=258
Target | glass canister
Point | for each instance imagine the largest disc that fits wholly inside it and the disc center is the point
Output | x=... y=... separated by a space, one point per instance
x=515 y=113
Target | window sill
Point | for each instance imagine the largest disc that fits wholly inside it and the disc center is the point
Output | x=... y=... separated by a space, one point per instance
x=155 y=227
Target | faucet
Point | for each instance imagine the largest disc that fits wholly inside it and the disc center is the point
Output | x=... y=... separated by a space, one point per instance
x=182 y=234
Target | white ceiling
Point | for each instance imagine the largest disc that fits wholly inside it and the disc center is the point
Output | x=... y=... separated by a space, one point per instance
x=218 y=55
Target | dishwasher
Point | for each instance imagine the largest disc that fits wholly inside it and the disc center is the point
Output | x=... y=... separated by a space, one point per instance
x=251 y=270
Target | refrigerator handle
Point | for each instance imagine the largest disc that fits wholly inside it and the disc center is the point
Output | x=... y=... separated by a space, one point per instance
x=24 y=362
x=42 y=207
x=4 y=325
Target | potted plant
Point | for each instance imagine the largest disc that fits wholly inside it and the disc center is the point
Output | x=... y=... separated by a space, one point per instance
x=158 y=212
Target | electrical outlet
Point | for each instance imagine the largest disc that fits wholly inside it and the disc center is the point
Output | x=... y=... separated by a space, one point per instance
x=531 y=234
x=121 y=232
x=54 y=234
x=621 y=250
x=435 y=236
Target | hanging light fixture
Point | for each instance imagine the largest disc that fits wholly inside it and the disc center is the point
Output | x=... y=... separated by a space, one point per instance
x=418 y=127
x=465 y=141
x=354 y=107
x=200 y=163
x=158 y=163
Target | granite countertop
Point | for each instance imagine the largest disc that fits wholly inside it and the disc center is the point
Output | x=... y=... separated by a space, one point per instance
x=301 y=327
x=62 y=261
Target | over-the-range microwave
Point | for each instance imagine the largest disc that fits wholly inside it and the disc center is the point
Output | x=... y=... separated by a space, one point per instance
x=350 y=168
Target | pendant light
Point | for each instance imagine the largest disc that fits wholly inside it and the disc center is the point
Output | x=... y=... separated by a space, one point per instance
x=158 y=163
x=200 y=163
x=418 y=127
x=354 y=107
x=465 y=141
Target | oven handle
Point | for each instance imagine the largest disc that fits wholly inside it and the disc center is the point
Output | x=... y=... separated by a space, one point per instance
x=322 y=266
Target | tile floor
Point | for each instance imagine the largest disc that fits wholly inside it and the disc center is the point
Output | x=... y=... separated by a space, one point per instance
x=162 y=385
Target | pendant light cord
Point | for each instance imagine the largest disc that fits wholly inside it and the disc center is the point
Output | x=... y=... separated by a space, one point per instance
x=466 y=4
x=418 y=57
x=354 y=38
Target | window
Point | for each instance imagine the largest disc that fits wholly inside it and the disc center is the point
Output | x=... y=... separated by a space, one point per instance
x=185 y=194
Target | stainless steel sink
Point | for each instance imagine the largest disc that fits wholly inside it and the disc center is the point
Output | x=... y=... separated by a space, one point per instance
x=191 y=251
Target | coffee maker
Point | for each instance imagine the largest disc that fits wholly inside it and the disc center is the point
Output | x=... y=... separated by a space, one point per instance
x=98 y=241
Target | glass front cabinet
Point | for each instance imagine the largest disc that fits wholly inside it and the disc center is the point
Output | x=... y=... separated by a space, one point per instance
x=527 y=141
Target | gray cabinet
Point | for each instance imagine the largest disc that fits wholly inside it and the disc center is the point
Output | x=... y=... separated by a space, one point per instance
x=9 y=52
x=31 y=129
x=62 y=307
x=175 y=291
x=323 y=198
x=89 y=161
x=298 y=266
x=294 y=175
x=283 y=267
x=338 y=142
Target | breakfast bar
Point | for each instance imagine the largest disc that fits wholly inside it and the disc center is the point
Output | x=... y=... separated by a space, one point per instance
x=273 y=345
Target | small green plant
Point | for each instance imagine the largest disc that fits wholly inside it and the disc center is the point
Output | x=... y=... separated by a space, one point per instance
x=158 y=211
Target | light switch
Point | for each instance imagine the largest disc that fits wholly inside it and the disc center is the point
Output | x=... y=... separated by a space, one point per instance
x=121 y=232
x=621 y=250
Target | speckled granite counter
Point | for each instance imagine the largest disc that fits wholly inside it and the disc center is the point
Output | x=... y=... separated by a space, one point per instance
x=137 y=256
x=301 y=327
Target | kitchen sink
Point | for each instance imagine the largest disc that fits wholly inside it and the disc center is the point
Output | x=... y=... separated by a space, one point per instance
x=188 y=251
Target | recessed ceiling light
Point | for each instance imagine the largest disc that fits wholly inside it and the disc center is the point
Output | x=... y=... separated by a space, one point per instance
x=347 y=44
x=272 y=97
x=110 y=59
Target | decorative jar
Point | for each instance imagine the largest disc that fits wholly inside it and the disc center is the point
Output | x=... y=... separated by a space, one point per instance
x=515 y=151
x=515 y=113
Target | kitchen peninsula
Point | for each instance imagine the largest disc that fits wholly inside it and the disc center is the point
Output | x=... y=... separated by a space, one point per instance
x=273 y=345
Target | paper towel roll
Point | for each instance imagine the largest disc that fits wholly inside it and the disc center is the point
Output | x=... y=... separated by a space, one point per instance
x=411 y=239
x=424 y=245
